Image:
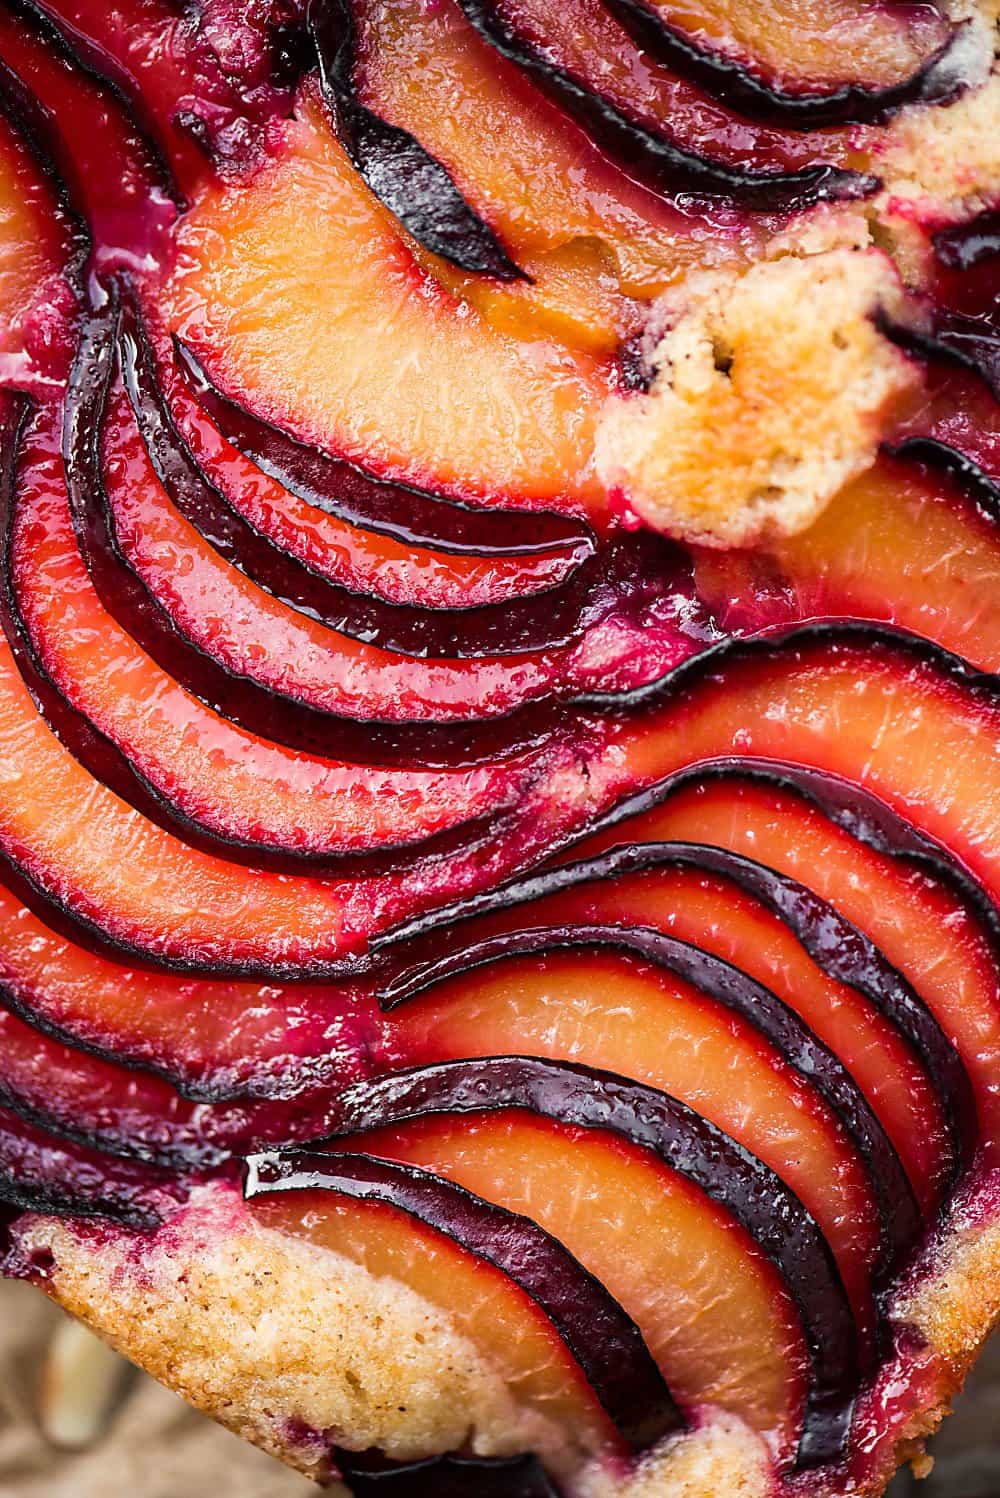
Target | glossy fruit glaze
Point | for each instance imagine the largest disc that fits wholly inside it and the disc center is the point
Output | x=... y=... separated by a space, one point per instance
x=382 y=806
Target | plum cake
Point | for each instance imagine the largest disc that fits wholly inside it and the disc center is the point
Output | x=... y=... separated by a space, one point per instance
x=500 y=726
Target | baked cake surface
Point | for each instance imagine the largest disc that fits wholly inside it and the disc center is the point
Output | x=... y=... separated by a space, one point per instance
x=499 y=722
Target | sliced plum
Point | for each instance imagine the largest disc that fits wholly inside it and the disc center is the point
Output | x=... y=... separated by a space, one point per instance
x=657 y=125
x=752 y=918
x=906 y=543
x=42 y=1173
x=733 y=1336
x=620 y=1121
x=212 y=1040
x=341 y=524
x=416 y=188
x=510 y=628
x=179 y=763
x=871 y=704
x=202 y=85
x=40 y=251
x=415 y=517
x=306 y=236
x=700 y=1031
x=370 y=1474
x=572 y=220
x=116 y=179
x=833 y=64
x=931 y=922
x=274 y=672
x=562 y=1342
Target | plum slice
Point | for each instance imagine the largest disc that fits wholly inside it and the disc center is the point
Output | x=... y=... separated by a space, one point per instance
x=629 y=1117
x=307 y=236
x=907 y=543
x=117 y=181
x=42 y=1173
x=573 y=221
x=701 y=1031
x=213 y=1040
x=284 y=675
x=655 y=123
x=370 y=1474
x=412 y=183
x=510 y=1285
x=337 y=521
x=201 y=85
x=182 y=765
x=833 y=64
x=411 y=516
x=502 y=629
x=753 y=918
x=40 y=252
x=932 y=922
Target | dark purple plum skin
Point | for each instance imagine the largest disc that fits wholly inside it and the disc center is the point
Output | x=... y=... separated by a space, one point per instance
x=805 y=1054
x=370 y=1475
x=402 y=174
x=601 y=1336
x=543 y=621
x=42 y=1173
x=412 y=516
x=833 y=942
x=755 y=97
x=660 y=163
x=648 y=1119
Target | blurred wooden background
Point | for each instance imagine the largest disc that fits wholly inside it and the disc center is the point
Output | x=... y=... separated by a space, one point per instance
x=154 y=1447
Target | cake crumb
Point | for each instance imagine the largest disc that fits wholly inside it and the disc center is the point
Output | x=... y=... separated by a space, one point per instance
x=771 y=391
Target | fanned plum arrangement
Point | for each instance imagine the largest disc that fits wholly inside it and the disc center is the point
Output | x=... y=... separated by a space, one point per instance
x=500 y=723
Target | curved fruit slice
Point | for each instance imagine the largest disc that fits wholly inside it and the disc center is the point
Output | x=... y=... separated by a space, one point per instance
x=40 y=1173
x=907 y=544
x=892 y=883
x=763 y=925
x=510 y=628
x=700 y=1031
x=832 y=64
x=556 y=191
x=896 y=714
x=193 y=92
x=115 y=176
x=336 y=375
x=612 y=1127
x=654 y=123
x=536 y=1314
x=124 y=886
x=412 y=184
x=175 y=760
x=39 y=244
x=213 y=1040
x=370 y=1474
x=274 y=672
x=957 y=414
x=253 y=633
x=335 y=520
x=413 y=516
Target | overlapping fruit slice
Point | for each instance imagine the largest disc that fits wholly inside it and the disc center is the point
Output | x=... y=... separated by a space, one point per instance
x=688 y=1222
x=908 y=543
x=887 y=878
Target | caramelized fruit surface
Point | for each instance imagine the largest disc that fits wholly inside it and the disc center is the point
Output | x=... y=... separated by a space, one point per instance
x=590 y=934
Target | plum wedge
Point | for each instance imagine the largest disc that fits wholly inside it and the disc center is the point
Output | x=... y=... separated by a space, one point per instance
x=521 y=1293
x=892 y=882
x=720 y=904
x=622 y=1117
x=873 y=554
